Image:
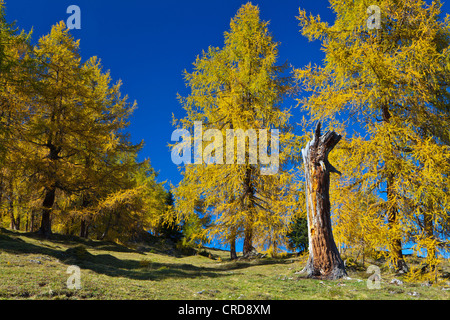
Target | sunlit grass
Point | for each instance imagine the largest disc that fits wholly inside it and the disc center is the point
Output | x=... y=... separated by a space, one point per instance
x=31 y=268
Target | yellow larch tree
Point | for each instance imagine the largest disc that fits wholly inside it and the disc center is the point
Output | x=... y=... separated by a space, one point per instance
x=386 y=77
x=239 y=87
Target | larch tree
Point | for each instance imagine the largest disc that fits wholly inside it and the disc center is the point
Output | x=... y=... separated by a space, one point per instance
x=75 y=123
x=15 y=67
x=238 y=90
x=65 y=154
x=106 y=155
x=387 y=79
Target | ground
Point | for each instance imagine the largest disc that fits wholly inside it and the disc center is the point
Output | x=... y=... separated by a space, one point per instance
x=33 y=268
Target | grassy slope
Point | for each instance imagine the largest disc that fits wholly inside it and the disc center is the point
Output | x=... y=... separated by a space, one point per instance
x=32 y=268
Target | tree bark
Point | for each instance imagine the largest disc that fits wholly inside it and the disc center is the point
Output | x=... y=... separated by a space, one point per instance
x=32 y=222
x=248 y=241
x=49 y=200
x=84 y=228
x=324 y=259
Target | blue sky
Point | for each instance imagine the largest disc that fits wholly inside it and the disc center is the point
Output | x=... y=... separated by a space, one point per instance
x=148 y=44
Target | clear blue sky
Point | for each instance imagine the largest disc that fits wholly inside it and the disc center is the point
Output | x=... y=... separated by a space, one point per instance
x=148 y=44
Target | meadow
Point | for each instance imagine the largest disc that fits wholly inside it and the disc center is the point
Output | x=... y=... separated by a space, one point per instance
x=34 y=268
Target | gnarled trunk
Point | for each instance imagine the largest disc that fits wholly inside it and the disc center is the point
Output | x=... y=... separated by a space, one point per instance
x=324 y=258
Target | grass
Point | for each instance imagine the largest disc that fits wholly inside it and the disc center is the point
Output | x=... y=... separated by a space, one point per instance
x=34 y=268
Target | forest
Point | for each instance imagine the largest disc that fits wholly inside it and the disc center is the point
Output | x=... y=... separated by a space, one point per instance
x=68 y=165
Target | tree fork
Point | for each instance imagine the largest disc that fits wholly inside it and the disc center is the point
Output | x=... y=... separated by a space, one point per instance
x=324 y=259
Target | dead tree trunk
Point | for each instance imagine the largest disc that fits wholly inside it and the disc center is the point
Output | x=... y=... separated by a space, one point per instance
x=324 y=259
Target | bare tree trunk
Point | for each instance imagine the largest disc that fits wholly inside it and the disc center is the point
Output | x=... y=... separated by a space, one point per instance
x=83 y=228
x=233 y=255
x=248 y=241
x=46 y=229
x=324 y=259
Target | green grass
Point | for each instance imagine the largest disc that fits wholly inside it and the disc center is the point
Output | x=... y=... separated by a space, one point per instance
x=33 y=268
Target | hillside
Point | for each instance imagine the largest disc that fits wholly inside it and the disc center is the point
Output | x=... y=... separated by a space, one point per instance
x=33 y=268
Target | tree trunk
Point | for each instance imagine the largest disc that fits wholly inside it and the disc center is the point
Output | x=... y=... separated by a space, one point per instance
x=15 y=222
x=396 y=242
x=32 y=222
x=248 y=241
x=392 y=213
x=247 y=205
x=83 y=228
x=324 y=259
x=47 y=205
x=233 y=255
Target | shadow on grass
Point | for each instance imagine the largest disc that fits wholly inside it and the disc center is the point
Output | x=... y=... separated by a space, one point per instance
x=74 y=240
x=110 y=265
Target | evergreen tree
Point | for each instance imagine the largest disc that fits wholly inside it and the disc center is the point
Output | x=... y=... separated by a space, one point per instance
x=298 y=236
x=75 y=126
